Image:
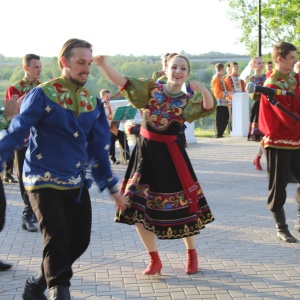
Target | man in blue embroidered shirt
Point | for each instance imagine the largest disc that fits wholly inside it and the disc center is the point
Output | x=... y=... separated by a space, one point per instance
x=68 y=130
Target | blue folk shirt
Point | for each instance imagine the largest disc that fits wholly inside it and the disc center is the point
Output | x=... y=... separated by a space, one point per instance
x=68 y=131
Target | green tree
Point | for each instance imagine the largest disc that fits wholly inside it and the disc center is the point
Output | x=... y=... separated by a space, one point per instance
x=279 y=22
x=17 y=74
x=5 y=73
x=54 y=68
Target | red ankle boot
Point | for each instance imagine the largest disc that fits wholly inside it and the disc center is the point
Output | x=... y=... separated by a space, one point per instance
x=256 y=163
x=192 y=263
x=155 y=264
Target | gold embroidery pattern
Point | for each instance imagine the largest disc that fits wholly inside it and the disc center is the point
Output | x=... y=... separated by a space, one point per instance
x=163 y=110
x=47 y=178
x=269 y=140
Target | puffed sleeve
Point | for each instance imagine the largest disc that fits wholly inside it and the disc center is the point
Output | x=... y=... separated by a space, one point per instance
x=195 y=110
x=137 y=91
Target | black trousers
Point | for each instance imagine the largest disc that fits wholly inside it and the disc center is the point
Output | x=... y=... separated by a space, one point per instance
x=280 y=163
x=121 y=137
x=19 y=161
x=66 y=228
x=230 y=118
x=2 y=206
x=222 y=118
x=10 y=166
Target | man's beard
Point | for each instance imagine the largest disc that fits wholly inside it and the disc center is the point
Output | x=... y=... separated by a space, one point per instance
x=76 y=82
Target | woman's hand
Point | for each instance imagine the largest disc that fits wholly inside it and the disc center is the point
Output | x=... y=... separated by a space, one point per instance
x=197 y=86
x=109 y=72
x=208 y=101
x=99 y=60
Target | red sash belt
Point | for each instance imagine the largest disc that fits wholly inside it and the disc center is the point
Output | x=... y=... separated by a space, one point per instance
x=187 y=182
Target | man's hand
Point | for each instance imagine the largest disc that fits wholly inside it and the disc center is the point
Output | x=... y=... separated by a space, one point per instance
x=12 y=107
x=120 y=202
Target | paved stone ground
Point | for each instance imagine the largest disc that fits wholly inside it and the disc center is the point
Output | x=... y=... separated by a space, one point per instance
x=239 y=254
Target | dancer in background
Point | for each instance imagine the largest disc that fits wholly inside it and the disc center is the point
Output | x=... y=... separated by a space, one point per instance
x=254 y=134
x=219 y=90
x=268 y=66
x=162 y=72
x=164 y=195
x=11 y=108
x=282 y=133
x=234 y=85
x=115 y=132
x=32 y=67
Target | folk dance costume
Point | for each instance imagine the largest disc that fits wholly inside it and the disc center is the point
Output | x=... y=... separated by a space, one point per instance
x=160 y=184
x=74 y=121
x=219 y=90
x=21 y=88
x=3 y=265
x=282 y=143
x=57 y=94
x=187 y=88
x=254 y=134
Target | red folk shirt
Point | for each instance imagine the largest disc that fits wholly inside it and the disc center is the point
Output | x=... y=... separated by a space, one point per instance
x=280 y=129
x=20 y=88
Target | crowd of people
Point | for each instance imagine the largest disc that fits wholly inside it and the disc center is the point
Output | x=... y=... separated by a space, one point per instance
x=160 y=194
x=276 y=131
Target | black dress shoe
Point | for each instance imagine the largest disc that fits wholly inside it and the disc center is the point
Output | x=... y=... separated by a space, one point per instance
x=286 y=236
x=9 y=178
x=33 y=290
x=115 y=161
x=292 y=179
x=60 y=292
x=34 y=219
x=28 y=225
x=4 y=266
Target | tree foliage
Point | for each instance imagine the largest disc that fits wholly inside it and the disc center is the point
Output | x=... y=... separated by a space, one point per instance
x=279 y=22
x=135 y=66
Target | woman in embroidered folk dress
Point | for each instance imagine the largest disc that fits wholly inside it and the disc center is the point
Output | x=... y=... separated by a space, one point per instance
x=254 y=134
x=165 y=199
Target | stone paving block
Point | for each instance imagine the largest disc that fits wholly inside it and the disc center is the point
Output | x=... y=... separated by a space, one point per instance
x=240 y=256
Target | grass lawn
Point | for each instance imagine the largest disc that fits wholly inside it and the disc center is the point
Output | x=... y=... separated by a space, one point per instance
x=199 y=132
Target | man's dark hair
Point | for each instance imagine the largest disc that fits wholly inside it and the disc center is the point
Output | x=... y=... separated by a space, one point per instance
x=67 y=48
x=282 y=49
x=28 y=58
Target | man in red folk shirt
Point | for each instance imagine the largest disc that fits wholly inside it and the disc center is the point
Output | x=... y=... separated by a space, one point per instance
x=282 y=133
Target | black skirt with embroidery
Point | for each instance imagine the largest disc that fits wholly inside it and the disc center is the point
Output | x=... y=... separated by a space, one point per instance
x=155 y=193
